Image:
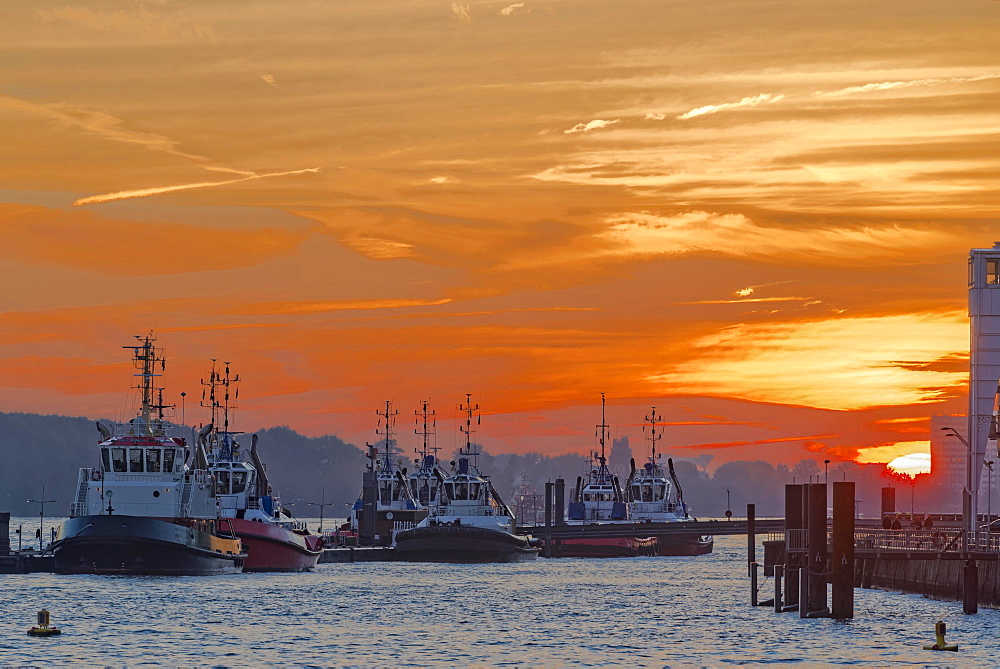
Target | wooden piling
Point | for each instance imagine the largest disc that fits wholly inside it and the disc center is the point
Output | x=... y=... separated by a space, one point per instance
x=548 y=520
x=793 y=521
x=751 y=537
x=817 y=560
x=369 y=498
x=842 y=559
x=559 y=506
x=970 y=588
x=779 y=572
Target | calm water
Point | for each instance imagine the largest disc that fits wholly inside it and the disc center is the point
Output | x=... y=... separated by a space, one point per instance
x=637 y=612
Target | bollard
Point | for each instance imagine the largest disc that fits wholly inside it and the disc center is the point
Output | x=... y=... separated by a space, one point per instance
x=753 y=584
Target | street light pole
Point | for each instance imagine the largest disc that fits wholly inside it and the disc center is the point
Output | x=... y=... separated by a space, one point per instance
x=989 y=495
x=970 y=518
x=41 y=514
x=321 y=506
x=826 y=472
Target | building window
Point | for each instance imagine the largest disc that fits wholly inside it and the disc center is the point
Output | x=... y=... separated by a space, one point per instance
x=993 y=271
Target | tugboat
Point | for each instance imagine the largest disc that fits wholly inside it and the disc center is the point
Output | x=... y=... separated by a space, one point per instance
x=601 y=500
x=144 y=510
x=653 y=498
x=395 y=506
x=273 y=539
x=469 y=521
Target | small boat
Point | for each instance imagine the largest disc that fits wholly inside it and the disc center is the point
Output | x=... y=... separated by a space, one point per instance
x=146 y=510
x=600 y=500
x=655 y=496
x=273 y=539
x=394 y=505
x=469 y=522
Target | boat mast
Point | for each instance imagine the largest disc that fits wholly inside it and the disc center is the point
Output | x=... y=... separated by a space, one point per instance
x=426 y=431
x=146 y=356
x=468 y=408
x=603 y=430
x=221 y=381
x=653 y=421
x=387 y=433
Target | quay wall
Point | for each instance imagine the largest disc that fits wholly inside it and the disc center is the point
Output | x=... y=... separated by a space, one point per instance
x=936 y=579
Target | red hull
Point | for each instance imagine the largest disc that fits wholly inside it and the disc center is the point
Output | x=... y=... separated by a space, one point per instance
x=617 y=547
x=274 y=548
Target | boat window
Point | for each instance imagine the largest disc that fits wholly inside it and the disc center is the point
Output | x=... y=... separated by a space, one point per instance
x=221 y=483
x=168 y=460
x=106 y=459
x=118 y=459
x=637 y=493
x=153 y=459
x=239 y=481
x=661 y=490
x=474 y=490
x=385 y=492
x=993 y=270
x=462 y=490
x=135 y=459
x=647 y=493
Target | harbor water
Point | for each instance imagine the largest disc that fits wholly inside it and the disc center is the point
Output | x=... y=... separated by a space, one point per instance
x=649 y=611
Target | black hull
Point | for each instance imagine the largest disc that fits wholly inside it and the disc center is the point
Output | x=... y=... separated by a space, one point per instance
x=133 y=545
x=456 y=543
x=671 y=544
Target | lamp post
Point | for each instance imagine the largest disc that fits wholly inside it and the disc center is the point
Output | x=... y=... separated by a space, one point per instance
x=729 y=507
x=41 y=514
x=969 y=517
x=826 y=472
x=989 y=491
x=321 y=506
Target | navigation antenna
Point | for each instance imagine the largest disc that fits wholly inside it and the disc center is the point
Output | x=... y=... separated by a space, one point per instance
x=386 y=432
x=426 y=431
x=468 y=408
x=216 y=395
x=653 y=421
x=146 y=357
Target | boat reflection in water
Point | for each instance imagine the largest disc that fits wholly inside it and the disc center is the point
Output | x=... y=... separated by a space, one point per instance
x=468 y=522
x=145 y=510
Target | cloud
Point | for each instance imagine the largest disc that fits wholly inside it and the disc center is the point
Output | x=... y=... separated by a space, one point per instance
x=301 y=307
x=442 y=180
x=889 y=85
x=836 y=363
x=757 y=100
x=645 y=233
x=268 y=79
x=591 y=125
x=159 y=190
x=139 y=23
x=510 y=9
x=654 y=116
x=463 y=12
x=97 y=122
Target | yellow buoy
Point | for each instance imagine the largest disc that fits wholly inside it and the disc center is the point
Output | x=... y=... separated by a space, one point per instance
x=43 y=628
x=939 y=644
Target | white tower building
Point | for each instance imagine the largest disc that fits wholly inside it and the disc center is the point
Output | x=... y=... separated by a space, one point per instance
x=984 y=366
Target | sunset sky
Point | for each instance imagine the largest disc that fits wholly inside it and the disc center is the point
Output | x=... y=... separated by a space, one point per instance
x=754 y=216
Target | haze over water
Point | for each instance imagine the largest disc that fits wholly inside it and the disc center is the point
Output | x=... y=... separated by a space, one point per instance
x=636 y=612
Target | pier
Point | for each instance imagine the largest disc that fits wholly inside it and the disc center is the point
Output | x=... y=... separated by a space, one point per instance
x=938 y=562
